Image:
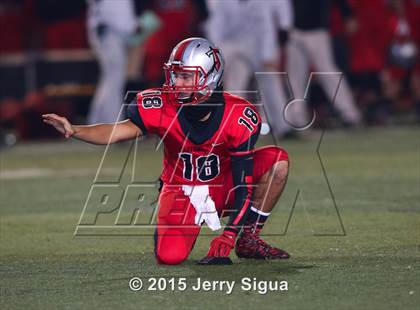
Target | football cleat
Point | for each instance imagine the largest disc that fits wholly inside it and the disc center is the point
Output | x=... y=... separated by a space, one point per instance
x=250 y=245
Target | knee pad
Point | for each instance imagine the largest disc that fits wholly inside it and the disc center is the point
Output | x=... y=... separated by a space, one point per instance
x=171 y=248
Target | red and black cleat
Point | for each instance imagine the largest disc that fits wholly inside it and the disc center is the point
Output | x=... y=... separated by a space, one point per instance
x=250 y=245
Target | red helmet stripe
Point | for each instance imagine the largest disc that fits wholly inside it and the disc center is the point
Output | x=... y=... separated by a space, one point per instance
x=181 y=49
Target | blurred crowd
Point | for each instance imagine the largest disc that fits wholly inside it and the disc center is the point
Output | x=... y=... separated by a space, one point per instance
x=79 y=57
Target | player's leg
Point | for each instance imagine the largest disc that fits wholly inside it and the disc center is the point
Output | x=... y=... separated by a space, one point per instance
x=176 y=231
x=297 y=66
x=111 y=51
x=320 y=50
x=271 y=167
x=238 y=67
x=274 y=99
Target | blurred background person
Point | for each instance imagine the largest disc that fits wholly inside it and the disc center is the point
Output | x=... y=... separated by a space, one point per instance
x=46 y=60
x=34 y=33
x=271 y=82
x=179 y=19
x=401 y=77
x=247 y=32
x=110 y=24
x=61 y=23
x=310 y=48
x=369 y=57
x=384 y=57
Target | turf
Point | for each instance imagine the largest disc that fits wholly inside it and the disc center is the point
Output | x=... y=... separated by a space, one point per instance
x=360 y=253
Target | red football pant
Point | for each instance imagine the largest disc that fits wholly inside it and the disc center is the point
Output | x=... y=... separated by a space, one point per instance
x=176 y=230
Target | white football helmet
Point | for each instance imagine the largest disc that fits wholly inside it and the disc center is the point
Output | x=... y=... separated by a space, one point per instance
x=198 y=56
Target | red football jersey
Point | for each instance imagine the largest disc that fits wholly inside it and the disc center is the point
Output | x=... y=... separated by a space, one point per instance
x=197 y=157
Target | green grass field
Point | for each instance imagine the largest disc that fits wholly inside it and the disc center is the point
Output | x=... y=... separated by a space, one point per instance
x=374 y=263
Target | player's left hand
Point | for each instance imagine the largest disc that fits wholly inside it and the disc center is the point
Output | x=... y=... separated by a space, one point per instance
x=60 y=123
x=222 y=245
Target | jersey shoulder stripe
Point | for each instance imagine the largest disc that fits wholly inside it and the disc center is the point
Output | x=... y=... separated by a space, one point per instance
x=150 y=92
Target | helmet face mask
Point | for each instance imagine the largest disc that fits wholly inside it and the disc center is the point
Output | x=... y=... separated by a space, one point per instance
x=193 y=71
x=186 y=83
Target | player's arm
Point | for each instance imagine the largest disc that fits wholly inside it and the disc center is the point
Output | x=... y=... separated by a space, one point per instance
x=95 y=134
x=242 y=167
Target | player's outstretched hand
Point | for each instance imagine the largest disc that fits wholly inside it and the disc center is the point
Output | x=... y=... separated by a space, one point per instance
x=60 y=123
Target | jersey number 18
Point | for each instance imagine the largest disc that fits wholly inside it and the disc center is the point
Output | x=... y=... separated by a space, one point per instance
x=251 y=117
x=207 y=167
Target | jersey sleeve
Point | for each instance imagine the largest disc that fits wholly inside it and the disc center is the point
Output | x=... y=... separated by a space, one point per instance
x=244 y=129
x=242 y=167
x=243 y=135
x=133 y=115
x=145 y=111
